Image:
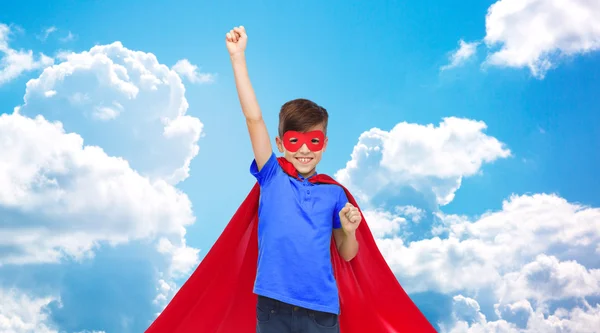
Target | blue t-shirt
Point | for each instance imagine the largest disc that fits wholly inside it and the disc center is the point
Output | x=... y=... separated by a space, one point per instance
x=296 y=221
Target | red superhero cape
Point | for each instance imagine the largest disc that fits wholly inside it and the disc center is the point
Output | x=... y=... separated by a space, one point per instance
x=218 y=297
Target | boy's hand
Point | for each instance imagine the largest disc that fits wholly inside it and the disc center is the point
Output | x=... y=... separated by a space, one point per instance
x=350 y=218
x=236 y=40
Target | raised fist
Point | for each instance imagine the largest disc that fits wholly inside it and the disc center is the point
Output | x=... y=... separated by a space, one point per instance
x=236 y=40
x=350 y=217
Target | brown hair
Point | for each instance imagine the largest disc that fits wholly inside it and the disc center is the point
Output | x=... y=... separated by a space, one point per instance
x=300 y=115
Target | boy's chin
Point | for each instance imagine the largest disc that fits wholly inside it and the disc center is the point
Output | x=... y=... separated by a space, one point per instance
x=304 y=168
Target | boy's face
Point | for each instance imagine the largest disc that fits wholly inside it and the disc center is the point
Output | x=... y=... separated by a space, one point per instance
x=306 y=158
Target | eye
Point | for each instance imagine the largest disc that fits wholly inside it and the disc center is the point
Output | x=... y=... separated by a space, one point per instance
x=315 y=141
x=293 y=140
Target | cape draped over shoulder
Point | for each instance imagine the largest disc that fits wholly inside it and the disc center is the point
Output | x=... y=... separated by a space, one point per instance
x=218 y=296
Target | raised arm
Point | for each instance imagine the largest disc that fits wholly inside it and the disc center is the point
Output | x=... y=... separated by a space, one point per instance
x=236 y=40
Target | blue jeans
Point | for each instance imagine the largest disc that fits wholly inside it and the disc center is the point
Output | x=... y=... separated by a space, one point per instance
x=273 y=316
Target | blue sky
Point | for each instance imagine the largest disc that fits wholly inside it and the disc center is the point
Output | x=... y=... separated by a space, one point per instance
x=475 y=162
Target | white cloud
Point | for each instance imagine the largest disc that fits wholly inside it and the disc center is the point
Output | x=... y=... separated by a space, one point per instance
x=53 y=30
x=547 y=279
x=20 y=313
x=445 y=221
x=465 y=52
x=467 y=309
x=102 y=112
x=523 y=258
x=412 y=212
x=183 y=257
x=191 y=72
x=428 y=159
x=536 y=253
x=68 y=38
x=67 y=198
x=47 y=32
x=13 y=62
x=383 y=223
x=576 y=320
x=129 y=94
x=534 y=33
x=387 y=224
x=64 y=199
x=483 y=253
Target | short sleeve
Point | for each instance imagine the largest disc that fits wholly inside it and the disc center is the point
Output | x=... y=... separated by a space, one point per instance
x=342 y=199
x=267 y=172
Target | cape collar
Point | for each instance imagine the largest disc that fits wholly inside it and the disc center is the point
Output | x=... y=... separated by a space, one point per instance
x=291 y=170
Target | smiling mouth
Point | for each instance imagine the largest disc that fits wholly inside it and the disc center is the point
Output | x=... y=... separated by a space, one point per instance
x=304 y=160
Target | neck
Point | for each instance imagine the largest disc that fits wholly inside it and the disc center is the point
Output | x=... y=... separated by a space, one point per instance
x=306 y=175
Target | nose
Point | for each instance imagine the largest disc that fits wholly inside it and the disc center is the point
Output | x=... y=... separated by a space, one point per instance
x=304 y=149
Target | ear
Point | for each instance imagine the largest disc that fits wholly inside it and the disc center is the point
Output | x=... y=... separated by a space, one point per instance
x=279 y=144
x=325 y=144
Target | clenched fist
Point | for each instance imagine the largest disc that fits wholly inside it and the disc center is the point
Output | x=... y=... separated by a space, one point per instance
x=350 y=218
x=236 y=40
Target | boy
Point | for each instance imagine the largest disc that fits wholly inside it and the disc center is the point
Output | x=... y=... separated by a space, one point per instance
x=296 y=288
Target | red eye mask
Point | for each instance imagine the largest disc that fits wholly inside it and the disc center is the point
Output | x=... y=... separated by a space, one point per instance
x=314 y=140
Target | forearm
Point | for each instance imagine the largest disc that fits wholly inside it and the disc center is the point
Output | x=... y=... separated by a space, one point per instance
x=246 y=94
x=348 y=247
x=259 y=136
